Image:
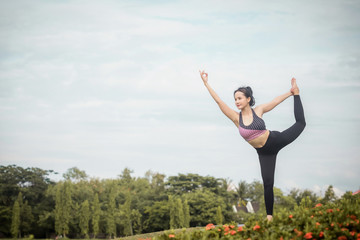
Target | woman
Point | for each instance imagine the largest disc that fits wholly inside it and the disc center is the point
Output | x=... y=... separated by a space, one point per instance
x=252 y=128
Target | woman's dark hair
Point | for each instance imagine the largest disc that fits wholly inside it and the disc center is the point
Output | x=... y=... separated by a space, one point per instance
x=248 y=94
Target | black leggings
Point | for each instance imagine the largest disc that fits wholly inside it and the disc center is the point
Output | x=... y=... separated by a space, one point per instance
x=275 y=142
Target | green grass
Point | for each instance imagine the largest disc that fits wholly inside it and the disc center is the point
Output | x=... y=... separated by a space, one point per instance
x=154 y=234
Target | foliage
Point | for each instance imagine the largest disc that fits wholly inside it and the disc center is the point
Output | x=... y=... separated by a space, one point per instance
x=333 y=220
x=79 y=206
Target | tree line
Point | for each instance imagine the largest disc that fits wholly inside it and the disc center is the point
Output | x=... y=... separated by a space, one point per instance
x=82 y=207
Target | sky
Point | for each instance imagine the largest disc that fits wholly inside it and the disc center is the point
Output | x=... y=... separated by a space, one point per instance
x=108 y=85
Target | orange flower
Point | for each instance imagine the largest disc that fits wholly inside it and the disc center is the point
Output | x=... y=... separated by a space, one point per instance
x=290 y=216
x=171 y=235
x=329 y=211
x=226 y=229
x=219 y=230
x=352 y=233
x=256 y=227
x=317 y=224
x=298 y=233
x=308 y=235
x=281 y=238
x=226 y=233
x=232 y=226
x=318 y=205
x=232 y=232
x=209 y=226
x=353 y=217
x=312 y=216
x=342 y=238
x=240 y=229
x=321 y=234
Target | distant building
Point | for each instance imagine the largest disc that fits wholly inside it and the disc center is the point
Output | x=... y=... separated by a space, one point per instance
x=251 y=207
x=357 y=192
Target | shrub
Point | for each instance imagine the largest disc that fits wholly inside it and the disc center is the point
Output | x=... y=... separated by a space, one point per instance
x=334 y=220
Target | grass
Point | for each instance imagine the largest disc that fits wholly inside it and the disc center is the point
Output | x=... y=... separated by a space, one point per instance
x=154 y=234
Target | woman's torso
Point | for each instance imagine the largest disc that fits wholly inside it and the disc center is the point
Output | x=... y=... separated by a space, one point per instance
x=253 y=129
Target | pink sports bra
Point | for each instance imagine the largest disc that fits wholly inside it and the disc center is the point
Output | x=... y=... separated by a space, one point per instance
x=254 y=130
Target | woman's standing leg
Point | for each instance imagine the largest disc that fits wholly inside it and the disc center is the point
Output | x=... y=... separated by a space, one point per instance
x=267 y=164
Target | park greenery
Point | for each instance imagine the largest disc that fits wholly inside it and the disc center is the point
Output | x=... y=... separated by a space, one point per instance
x=31 y=204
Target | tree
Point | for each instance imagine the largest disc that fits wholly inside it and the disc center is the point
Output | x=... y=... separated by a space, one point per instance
x=157 y=216
x=15 y=223
x=186 y=214
x=203 y=207
x=75 y=174
x=128 y=230
x=179 y=213
x=84 y=218
x=96 y=211
x=219 y=216
x=242 y=191
x=111 y=208
x=172 y=210
x=184 y=183
x=136 y=221
x=33 y=184
x=26 y=218
x=63 y=206
x=329 y=195
x=298 y=195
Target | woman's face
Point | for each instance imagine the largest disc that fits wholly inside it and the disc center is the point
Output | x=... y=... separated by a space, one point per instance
x=241 y=100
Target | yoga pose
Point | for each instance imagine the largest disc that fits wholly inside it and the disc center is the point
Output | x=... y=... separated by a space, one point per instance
x=252 y=128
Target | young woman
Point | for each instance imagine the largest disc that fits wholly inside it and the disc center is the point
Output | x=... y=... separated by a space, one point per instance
x=252 y=128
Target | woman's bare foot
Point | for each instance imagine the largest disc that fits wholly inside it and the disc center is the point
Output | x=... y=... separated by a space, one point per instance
x=269 y=218
x=294 y=88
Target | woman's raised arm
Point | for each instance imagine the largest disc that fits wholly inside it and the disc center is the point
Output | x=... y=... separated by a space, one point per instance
x=230 y=113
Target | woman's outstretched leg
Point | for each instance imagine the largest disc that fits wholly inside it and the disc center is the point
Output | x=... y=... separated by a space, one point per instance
x=290 y=134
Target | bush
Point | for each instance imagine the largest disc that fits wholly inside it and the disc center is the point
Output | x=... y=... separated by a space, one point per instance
x=334 y=220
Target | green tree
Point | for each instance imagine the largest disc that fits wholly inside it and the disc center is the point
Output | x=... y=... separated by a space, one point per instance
x=242 y=192
x=27 y=218
x=33 y=184
x=74 y=174
x=186 y=214
x=172 y=210
x=203 y=207
x=96 y=212
x=63 y=207
x=15 y=223
x=329 y=195
x=179 y=213
x=128 y=230
x=219 y=216
x=136 y=221
x=157 y=216
x=84 y=218
x=110 y=213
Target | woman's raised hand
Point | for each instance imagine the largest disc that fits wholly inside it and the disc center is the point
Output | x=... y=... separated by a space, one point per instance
x=204 y=76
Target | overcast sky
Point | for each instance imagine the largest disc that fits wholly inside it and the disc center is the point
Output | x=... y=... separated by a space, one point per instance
x=104 y=85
